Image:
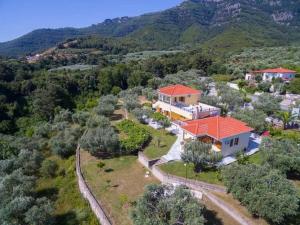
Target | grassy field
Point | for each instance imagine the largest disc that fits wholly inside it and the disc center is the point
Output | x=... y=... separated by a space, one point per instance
x=256 y=158
x=167 y=139
x=117 y=185
x=178 y=169
x=70 y=207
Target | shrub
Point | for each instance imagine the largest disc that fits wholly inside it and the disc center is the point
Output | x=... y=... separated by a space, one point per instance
x=49 y=168
x=100 y=165
x=135 y=136
x=101 y=140
x=163 y=120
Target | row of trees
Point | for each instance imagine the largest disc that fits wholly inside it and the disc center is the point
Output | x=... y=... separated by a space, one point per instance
x=265 y=192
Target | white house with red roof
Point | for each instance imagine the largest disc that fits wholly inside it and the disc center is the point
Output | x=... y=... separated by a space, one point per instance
x=282 y=73
x=180 y=102
x=227 y=135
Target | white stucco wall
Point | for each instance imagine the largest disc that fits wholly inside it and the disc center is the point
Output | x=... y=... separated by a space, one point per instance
x=243 y=143
x=270 y=76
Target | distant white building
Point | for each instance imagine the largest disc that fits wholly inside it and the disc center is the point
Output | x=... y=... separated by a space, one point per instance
x=249 y=76
x=282 y=73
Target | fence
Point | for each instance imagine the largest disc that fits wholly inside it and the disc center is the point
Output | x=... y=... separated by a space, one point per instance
x=87 y=194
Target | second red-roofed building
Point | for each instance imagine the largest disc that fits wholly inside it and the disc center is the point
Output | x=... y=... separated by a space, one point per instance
x=227 y=135
x=281 y=73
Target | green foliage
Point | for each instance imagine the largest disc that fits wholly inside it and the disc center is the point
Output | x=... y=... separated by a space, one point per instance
x=283 y=155
x=47 y=99
x=267 y=103
x=267 y=57
x=163 y=120
x=141 y=114
x=106 y=105
x=247 y=116
x=219 y=78
x=230 y=98
x=19 y=205
x=134 y=136
x=294 y=86
x=264 y=86
x=263 y=191
x=163 y=205
x=200 y=155
x=100 y=165
x=101 y=139
x=49 y=168
x=64 y=143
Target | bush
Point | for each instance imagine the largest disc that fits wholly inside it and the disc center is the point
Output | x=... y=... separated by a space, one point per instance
x=49 y=168
x=135 y=136
x=163 y=120
x=265 y=193
x=101 y=140
x=100 y=165
x=64 y=143
x=141 y=114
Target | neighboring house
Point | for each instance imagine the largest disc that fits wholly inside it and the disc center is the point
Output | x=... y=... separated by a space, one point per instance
x=250 y=76
x=227 y=135
x=282 y=73
x=180 y=102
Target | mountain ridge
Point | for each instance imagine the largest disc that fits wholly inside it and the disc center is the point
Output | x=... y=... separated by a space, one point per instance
x=259 y=22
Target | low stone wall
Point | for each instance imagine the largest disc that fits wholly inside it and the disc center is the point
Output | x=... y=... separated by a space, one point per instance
x=88 y=195
x=171 y=179
x=145 y=161
x=198 y=188
x=193 y=184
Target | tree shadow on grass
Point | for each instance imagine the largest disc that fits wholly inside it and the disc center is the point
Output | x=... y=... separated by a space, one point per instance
x=50 y=193
x=212 y=218
x=116 y=117
x=68 y=218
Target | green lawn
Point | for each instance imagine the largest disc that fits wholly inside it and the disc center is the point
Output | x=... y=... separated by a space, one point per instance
x=178 y=169
x=256 y=158
x=167 y=139
x=70 y=206
x=117 y=184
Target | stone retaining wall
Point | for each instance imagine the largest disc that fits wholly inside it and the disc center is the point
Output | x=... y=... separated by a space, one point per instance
x=88 y=195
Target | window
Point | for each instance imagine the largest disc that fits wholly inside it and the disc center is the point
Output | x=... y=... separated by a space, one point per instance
x=231 y=142
x=236 y=141
x=181 y=99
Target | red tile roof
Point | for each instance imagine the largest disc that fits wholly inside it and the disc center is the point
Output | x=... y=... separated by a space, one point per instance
x=276 y=70
x=178 y=89
x=216 y=127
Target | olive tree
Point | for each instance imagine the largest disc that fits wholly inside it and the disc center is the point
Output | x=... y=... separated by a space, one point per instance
x=254 y=118
x=283 y=155
x=107 y=105
x=265 y=193
x=200 y=155
x=100 y=140
x=167 y=205
x=64 y=143
x=267 y=103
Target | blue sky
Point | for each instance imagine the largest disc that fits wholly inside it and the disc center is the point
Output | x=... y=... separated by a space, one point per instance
x=18 y=17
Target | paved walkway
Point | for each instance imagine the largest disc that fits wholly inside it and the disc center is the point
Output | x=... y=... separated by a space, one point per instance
x=175 y=151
